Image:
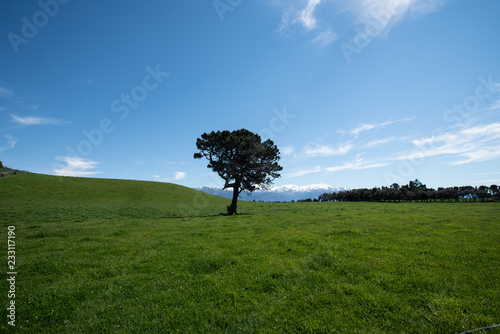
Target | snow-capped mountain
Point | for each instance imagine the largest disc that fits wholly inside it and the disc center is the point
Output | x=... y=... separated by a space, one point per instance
x=277 y=194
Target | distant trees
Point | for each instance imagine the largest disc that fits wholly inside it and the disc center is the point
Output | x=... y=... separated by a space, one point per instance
x=415 y=191
x=241 y=159
x=494 y=190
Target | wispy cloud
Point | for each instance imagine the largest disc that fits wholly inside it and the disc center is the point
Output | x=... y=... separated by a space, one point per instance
x=474 y=144
x=484 y=182
x=386 y=14
x=5 y=92
x=306 y=16
x=495 y=105
x=306 y=171
x=324 y=150
x=378 y=142
x=483 y=154
x=383 y=15
x=287 y=150
x=489 y=173
x=356 y=164
x=370 y=126
x=325 y=38
x=287 y=19
x=179 y=175
x=76 y=166
x=31 y=120
x=11 y=142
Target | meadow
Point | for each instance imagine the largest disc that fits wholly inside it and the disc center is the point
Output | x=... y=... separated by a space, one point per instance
x=100 y=256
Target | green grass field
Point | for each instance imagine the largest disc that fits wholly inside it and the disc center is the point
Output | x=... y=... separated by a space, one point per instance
x=99 y=256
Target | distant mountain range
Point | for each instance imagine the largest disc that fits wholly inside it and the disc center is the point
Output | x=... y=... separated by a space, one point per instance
x=277 y=194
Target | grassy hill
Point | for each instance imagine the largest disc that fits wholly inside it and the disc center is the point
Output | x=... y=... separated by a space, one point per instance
x=121 y=197
x=96 y=255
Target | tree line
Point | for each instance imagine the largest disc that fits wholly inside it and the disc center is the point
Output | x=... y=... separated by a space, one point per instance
x=414 y=191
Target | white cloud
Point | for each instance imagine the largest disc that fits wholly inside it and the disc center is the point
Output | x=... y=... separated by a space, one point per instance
x=179 y=175
x=356 y=164
x=483 y=182
x=4 y=92
x=483 y=154
x=325 y=38
x=495 y=105
x=379 y=142
x=489 y=173
x=369 y=166
x=373 y=17
x=338 y=168
x=287 y=150
x=383 y=15
x=474 y=144
x=36 y=120
x=159 y=178
x=76 y=166
x=490 y=129
x=307 y=19
x=307 y=15
x=11 y=142
x=286 y=21
x=390 y=10
x=324 y=150
x=303 y=172
x=363 y=127
x=366 y=127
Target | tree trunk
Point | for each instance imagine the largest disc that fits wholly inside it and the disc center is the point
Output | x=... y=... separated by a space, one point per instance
x=231 y=210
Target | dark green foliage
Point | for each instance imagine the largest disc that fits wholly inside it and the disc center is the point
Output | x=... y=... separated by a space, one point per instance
x=241 y=159
x=414 y=191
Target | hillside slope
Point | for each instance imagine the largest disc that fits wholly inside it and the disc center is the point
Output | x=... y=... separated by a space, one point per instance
x=37 y=194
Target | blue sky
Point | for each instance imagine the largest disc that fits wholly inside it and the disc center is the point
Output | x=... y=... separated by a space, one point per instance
x=356 y=93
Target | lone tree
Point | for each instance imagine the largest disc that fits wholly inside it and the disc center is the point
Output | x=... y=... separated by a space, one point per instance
x=241 y=158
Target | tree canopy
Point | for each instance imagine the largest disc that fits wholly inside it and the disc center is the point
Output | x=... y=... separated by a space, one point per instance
x=241 y=159
x=415 y=191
